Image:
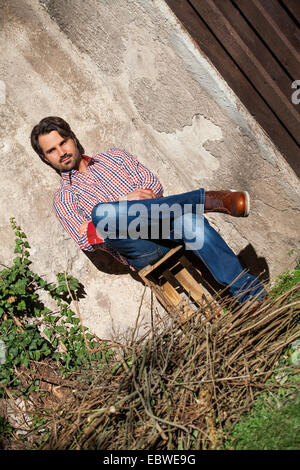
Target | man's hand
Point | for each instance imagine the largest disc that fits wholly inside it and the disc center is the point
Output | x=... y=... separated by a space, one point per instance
x=83 y=228
x=138 y=194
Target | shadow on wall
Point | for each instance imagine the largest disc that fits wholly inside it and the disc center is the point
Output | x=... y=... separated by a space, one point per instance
x=249 y=260
x=107 y=264
x=257 y=266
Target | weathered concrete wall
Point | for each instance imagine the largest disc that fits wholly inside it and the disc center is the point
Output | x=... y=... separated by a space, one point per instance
x=125 y=74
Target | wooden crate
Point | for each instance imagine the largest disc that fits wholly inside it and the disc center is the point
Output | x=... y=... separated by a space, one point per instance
x=175 y=282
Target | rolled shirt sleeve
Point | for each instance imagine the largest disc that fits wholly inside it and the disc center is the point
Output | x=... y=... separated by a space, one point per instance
x=70 y=216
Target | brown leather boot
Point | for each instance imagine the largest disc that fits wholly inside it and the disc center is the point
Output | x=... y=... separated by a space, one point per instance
x=235 y=203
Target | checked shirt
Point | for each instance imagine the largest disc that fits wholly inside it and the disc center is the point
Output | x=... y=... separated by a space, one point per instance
x=110 y=175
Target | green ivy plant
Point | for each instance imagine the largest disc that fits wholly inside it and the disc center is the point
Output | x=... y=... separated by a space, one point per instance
x=29 y=331
x=287 y=281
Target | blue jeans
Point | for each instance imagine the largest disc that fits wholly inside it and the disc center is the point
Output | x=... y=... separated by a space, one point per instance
x=132 y=236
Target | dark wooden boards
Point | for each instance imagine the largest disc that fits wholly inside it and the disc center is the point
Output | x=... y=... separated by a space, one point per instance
x=254 y=44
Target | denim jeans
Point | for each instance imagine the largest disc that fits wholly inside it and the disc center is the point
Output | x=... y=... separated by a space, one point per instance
x=132 y=236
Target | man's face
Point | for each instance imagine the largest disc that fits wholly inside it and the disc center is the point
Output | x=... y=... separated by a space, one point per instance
x=61 y=152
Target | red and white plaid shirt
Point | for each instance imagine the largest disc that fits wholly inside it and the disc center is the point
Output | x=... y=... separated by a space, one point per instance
x=110 y=175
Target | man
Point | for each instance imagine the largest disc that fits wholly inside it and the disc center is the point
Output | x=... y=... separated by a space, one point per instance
x=100 y=192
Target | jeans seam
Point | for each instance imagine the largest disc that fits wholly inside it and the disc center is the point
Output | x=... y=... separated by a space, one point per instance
x=148 y=254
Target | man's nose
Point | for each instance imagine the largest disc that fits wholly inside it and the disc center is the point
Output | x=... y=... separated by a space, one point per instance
x=61 y=151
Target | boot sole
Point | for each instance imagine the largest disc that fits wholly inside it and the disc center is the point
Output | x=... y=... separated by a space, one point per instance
x=247 y=201
x=247 y=205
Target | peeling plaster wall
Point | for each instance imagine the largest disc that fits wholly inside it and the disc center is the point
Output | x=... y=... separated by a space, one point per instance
x=125 y=74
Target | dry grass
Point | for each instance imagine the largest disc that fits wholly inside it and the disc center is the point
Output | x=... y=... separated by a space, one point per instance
x=183 y=383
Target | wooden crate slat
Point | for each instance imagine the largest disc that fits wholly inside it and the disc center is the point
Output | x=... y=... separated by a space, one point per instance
x=190 y=285
x=170 y=289
x=175 y=299
x=164 y=297
x=151 y=268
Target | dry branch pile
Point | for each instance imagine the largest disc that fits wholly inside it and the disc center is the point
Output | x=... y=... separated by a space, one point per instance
x=181 y=385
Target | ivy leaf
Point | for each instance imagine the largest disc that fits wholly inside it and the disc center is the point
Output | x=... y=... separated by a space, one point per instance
x=21 y=305
x=48 y=332
x=36 y=355
x=60 y=329
x=20 y=286
x=17 y=261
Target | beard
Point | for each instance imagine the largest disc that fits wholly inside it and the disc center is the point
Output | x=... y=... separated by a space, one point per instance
x=69 y=162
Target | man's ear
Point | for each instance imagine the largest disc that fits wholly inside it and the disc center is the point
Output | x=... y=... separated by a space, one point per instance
x=75 y=141
x=44 y=158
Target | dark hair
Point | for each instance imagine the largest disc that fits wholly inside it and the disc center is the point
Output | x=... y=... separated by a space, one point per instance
x=47 y=125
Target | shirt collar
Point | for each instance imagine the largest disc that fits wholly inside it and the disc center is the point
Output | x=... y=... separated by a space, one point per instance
x=88 y=159
x=66 y=175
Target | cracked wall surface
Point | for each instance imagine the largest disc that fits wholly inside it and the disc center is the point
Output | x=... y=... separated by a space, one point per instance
x=125 y=74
